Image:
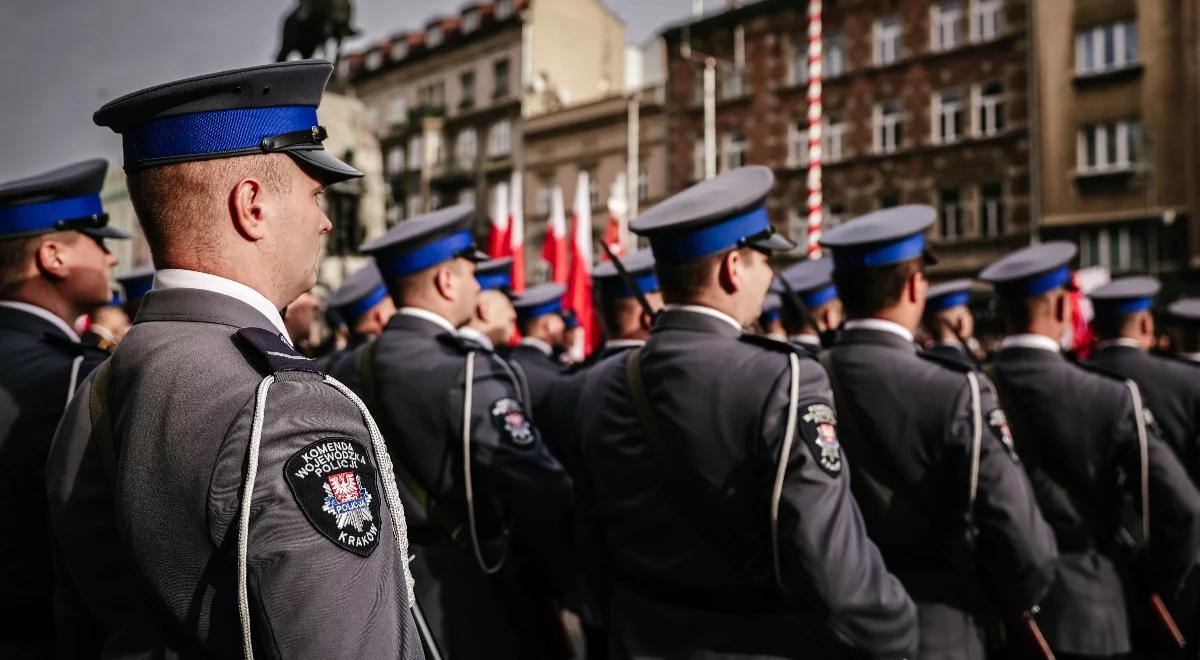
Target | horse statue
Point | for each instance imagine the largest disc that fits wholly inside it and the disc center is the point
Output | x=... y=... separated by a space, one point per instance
x=313 y=24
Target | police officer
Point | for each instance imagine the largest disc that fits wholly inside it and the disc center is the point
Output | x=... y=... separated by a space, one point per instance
x=363 y=304
x=494 y=320
x=713 y=466
x=812 y=311
x=770 y=321
x=212 y=493
x=540 y=318
x=619 y=306
x=53 y=268
x=457 y=423
x=933 y=466
x=1088 y=447
x=1186 y=311
x=949 y=321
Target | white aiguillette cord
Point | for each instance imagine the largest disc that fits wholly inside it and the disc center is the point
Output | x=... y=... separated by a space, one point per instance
x=391 y=495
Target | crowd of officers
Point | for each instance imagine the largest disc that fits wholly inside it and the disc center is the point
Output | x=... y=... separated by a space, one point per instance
x=445 y=486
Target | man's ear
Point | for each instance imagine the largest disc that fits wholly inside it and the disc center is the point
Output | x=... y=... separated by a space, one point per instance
x=1061 y=309
x=247 y=208
x=443 y=281
x=645 y=321
x=50 y=258
x=729 y=272
x=483 y=311
x=1146 y=325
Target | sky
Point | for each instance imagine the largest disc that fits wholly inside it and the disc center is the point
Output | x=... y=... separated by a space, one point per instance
x=65 y=58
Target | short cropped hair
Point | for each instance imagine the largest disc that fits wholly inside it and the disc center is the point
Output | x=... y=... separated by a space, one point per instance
x=683 y=282
x=16 y=254
x=865 y=291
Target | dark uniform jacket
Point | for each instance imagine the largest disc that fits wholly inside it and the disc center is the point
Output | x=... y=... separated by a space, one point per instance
x=159 y=571
x=39 y=367
x=546 y=377
x=721 y=400
x=1171 y=388
x=954 y=352
x=908 y=431
x=419 y=371
x=1076 y=432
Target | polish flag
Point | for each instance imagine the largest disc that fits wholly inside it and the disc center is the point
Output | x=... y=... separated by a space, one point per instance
x=579 y=278
x=616 y=235
x=498 y=240
x=554 y=246
x=516 y=234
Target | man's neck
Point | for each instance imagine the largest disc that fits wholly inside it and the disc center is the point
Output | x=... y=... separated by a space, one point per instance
x=49 y=300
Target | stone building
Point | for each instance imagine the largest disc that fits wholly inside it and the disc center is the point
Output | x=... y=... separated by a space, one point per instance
x=924 y=102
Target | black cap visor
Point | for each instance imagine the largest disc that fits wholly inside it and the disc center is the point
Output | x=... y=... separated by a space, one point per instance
x=768 y=240
x=322 y=164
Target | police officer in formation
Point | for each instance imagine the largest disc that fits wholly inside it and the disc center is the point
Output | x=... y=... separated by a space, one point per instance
x=494 y=321
x=54 y=267
x=212 y=494
x=713 y=467
x=812 y=311
x=362 y=303
x=1186 y=312
x=1123 y=510
x=949 y=321
x=456 y=419
x=625 y=303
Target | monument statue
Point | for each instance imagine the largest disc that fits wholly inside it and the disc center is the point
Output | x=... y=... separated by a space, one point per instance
x=313 y=24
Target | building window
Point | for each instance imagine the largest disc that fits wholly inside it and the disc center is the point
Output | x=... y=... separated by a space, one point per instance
x=1106 y=48
x=432 y=94
x=500 y=78
x=465 y=148
x=643 y=183
x=833 y=56
x=798 y=69
x=733 y=151
x=433 y=36
x=948 y=114
x=470 y=22
x=347 y=234
x=798 y=144
x=832 y=215
x=399 y=49
x=733 y=83
x=889 y=200
x=398 y=111
x=500 y=138
x=466 y=196
x=833 y=138
x=466 y=82
x=414 y=153
x=435 y=148
x=414 y=206
x=593 y=186
x=989 y=108
x=1108 y=147
x=991 y=210
x=886 y=40
x=698 y=160
x=950 y=215
x=504 y=9
x=986 y=17
x=945 y=25
x=395 y=159
x=545 y=192
x=888 y=120
x=373 y=60
x=1119 y=249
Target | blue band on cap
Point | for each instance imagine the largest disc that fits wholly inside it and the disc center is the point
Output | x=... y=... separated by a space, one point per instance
x=770 y=316
x=352 y=311
x=1035 y=286
x=116 y=299
x=22 y=218
x=496 y=280
x=879 y=255
x=679 y=247
x=819 y=297
x=214 y=132
x=646 y=282
x=543 y=309
x=138 y=288
x=406 y=263
x=1123 y=305
x=949 y=300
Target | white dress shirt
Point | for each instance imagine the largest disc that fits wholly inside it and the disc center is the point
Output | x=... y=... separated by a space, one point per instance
x=476 y=336
x=624 y=343
x=1127 y=342
x=179 y=278
x=708 y=311
x=881 y=325
x=42 y=313
x=432 y=317
x=806 y=339
x=1041 y=342
x=538 y=344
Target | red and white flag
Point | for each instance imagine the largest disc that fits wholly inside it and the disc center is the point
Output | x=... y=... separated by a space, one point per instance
x=554 y=246
x=579 y=278
x=616 y=235
x=516 y=234
x=498 y=240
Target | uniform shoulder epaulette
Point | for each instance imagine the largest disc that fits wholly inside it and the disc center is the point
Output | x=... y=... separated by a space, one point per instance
x=275 y=353
x=948 y=362
x=774 y=345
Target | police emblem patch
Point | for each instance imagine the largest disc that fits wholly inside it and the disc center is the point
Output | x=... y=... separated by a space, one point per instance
x=334 y=483
x=818 y=426
x=509 y=418
x=999 y=424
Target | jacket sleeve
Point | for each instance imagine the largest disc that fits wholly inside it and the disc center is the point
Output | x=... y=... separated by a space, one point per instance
x=823 y=544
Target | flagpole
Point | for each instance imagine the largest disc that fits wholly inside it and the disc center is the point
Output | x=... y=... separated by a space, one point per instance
x=815 y=197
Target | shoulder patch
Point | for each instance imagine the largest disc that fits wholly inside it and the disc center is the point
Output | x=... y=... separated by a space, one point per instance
x=818 y=427
x=334 y=483
x=276 y=353
x=773 y=344
x=948 y=362
x=509 y=419
x=998 y=423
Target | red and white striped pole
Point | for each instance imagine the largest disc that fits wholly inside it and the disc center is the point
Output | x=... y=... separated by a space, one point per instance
x=815 y=197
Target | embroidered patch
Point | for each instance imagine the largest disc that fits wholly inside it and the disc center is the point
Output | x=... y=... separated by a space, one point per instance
x=509 y=418
x=334 y=483
x=999 y=424
x=818 y=426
